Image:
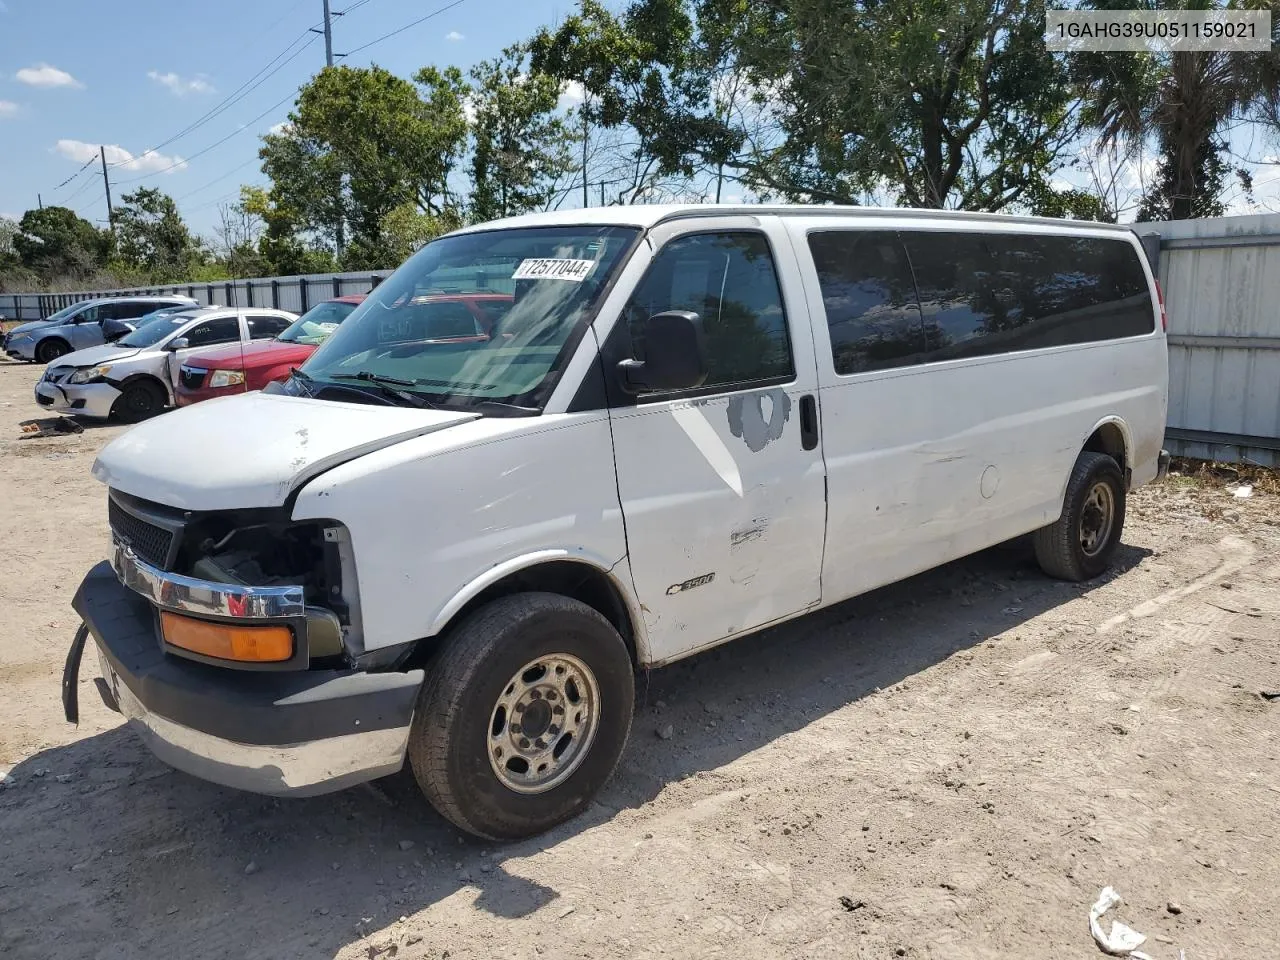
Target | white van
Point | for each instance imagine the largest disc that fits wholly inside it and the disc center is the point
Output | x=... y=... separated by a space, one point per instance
x=677 y=426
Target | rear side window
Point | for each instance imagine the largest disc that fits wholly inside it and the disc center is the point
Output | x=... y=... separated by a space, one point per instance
x=983 y=294
x=729 y=280
x=132 y=309
x=870 y=299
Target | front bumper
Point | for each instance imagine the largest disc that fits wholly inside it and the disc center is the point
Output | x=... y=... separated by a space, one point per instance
x=22 y=350
x=296 y=733
x=82 y=399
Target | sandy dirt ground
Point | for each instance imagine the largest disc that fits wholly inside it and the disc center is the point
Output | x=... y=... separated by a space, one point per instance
x=951 y=767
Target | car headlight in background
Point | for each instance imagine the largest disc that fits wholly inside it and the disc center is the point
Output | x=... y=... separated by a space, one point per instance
x=89 y=374
x=226 y=378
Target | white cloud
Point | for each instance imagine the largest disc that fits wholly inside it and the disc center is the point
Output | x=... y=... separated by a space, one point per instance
x=180 y=87
x=571 y=94
x=118 y=156
x=8 y=109
x=453 y=36
x=469 y=109
x=43 y=75
x=279 y=128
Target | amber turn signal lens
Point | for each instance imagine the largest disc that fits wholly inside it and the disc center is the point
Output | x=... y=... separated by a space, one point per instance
x=228 y=641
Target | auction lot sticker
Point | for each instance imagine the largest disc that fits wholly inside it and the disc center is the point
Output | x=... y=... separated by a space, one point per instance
x=553 y=269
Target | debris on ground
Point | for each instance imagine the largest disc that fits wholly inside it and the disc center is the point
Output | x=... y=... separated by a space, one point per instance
x=1242 y=492
x=1269 y=694
x=405 y=844
x=666 y=733
x=48 y=427
x=851 y=904
x=1121 y=941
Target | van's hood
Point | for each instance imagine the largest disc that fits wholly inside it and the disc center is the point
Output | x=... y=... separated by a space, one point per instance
x=254 y=449
x=93 y=356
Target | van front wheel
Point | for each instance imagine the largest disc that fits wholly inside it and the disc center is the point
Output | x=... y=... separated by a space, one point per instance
x=1079 y=544
x=523 y=716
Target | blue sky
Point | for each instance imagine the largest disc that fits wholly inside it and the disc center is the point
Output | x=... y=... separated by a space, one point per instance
x=75 y=74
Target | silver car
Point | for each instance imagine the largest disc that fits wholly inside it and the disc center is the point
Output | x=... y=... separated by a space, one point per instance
x=80 y=325
x=134 y=377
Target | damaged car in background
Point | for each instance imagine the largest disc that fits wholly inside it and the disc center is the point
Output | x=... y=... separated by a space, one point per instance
x=687 y=424
x=134 y=377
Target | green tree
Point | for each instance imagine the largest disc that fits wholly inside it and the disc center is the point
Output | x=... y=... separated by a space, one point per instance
x=943 y=103
x=152 y=236
x=54 y=243
x=522 y=147
x=361 y=142
x=281 y=243
x=637 y=73
x=1184 y=101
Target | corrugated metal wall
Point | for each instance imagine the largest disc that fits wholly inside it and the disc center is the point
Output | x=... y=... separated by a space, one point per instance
x=285 y=293
x=1221 y=281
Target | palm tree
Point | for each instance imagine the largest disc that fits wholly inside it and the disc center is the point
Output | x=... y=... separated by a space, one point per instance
x=1185 y=101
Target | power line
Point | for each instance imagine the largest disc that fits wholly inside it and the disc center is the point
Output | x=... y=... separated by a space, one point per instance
x=386 y=36
x=87 y=164
x=217 y=143
x=235 y=96
x=236 y=169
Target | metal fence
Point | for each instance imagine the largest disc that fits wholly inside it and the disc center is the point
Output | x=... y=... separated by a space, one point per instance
x=284 y=293
x=1221 y=281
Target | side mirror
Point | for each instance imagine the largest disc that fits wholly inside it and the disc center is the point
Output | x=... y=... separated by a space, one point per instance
x=178 y=343
x=675 y=358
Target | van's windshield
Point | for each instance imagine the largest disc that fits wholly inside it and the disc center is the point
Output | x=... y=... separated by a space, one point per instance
x=477 y=320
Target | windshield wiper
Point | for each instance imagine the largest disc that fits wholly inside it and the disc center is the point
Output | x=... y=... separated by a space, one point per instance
x=494 y=407
x=388 y=387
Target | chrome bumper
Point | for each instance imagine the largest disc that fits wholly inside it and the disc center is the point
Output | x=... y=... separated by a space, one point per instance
x=172 y=591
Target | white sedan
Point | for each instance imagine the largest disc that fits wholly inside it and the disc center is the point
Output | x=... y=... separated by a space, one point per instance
x=134 y=377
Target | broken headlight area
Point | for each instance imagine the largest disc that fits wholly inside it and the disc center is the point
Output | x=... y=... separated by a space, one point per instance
x=255 y=548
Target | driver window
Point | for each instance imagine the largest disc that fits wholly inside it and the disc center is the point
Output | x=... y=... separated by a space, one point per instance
x=88 y=315
x=729 y=280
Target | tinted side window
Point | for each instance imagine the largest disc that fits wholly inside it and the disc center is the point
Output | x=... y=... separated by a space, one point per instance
x=870 y=300
x=984 y=294
x=263 y=327
x=221 y=330
x=132 y=309
x=729 y=280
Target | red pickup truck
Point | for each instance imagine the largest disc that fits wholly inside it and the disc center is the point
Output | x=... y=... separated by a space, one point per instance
x=231 y=369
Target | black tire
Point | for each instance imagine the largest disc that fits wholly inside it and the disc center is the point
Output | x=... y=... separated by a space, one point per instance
x=1077 y=546
x=453 y=727
x=139 y=400
x=51 y=349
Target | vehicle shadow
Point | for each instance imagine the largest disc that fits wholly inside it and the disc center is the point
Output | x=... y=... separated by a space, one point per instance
x=110 y=854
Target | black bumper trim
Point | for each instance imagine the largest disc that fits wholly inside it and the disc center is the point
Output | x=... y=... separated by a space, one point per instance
x=265 y=709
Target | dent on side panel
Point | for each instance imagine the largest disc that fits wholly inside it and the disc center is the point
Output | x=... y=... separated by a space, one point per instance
x=433 y=516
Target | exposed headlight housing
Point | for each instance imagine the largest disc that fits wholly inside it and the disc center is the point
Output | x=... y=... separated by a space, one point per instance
x=226 y=378
x=89 y=374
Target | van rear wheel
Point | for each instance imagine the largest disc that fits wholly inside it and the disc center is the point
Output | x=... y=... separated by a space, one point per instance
x=1079 y=545
x=523 y=716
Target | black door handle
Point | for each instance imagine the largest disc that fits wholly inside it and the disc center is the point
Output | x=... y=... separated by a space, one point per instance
x=808 y=422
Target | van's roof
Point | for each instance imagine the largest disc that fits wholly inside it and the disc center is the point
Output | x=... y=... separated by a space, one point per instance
x=648 y=215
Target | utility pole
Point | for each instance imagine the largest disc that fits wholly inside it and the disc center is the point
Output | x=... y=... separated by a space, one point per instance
x=586 y=197
x=40 y=201
x=106 y=185
x=328 y=35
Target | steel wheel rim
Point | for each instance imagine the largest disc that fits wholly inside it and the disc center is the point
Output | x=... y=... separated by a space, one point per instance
x=1097 y=518
x=543 y=723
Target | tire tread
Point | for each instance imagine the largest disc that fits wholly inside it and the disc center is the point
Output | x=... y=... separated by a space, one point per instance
x=1054 y=544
